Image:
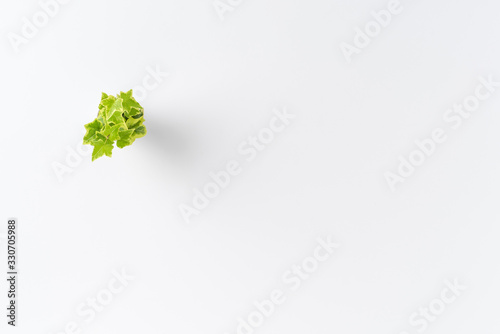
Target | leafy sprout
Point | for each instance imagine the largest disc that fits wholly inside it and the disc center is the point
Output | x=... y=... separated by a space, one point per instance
x=120 y=119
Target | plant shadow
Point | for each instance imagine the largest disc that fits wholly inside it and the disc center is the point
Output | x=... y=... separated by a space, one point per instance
x=173 y=143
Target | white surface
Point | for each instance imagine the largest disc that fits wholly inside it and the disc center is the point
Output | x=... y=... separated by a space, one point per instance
x=323 y=175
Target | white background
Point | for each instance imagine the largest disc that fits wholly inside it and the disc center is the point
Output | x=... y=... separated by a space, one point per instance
x=323 y=175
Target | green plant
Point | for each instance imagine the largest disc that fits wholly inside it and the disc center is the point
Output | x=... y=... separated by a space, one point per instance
x=120 y=119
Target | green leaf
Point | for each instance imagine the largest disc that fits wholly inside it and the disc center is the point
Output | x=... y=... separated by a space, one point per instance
x=117 y=119
x=133 y=123
x=102 y=147
x=139 y=132
x=125 y=138
x=130 y=106
x=92 y=128
x=111 y=131
x=120 y=119
x=105 y=105
x=135 y=113
x=115 y=111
